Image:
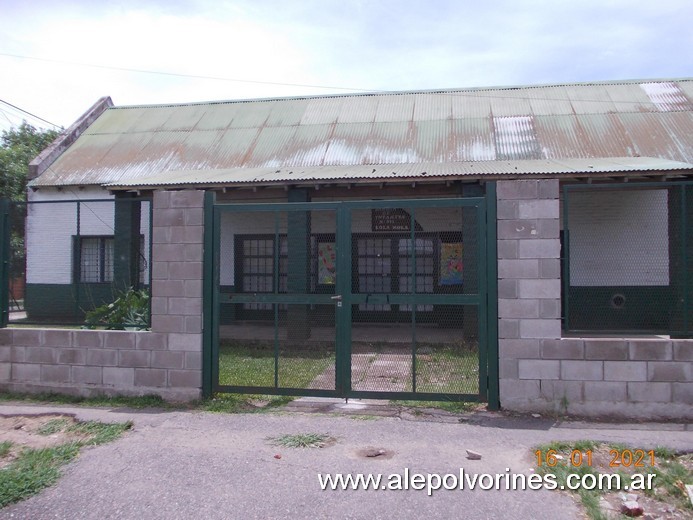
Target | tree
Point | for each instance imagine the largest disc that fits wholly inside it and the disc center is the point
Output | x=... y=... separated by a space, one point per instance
x=18 y=147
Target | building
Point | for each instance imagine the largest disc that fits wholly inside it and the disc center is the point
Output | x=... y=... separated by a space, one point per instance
x=529 y=246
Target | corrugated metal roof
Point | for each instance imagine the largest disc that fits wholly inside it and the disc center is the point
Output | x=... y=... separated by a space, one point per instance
x=651 y=118
x=404 y=172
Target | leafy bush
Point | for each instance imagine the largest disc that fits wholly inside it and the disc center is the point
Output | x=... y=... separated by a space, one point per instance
x=129 y=310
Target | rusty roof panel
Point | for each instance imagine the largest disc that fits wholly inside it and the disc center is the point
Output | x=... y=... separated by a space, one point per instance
x=433 y=141
x=561 y=136
x=473 y=140
x=590 y=99
x=346 y=144
x=271 y=145
x=679 y=126
x=605 y=135
x=651 y=139
x=630 y=98
x=516 y=138
x=562 y=121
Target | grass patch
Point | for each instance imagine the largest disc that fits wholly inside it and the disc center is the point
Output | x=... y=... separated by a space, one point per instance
x=53 y=426
x=254 y=365
x=447 y=369
x=301 y=440
x=5 y=447
x=588 y=457
x=36 y=469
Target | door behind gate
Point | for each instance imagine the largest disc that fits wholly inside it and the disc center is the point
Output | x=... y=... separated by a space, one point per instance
x=381 y=299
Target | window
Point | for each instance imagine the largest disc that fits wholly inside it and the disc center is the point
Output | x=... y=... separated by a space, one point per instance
x=96 y=259
x=256 y=267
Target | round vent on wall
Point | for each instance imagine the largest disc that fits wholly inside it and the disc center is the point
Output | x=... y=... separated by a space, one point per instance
x=618 y=301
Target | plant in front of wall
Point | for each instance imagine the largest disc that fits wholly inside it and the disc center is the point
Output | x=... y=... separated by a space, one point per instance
x=129 y=311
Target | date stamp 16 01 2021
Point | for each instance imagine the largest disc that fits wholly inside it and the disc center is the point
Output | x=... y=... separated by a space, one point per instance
x=618 y=458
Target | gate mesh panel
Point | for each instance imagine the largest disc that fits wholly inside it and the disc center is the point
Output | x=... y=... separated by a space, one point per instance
x=410 y=330
x=407 y=335
x=628 y=259
x=278 y=271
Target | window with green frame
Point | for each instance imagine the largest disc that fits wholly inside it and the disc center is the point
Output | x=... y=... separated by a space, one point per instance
x=95 y=262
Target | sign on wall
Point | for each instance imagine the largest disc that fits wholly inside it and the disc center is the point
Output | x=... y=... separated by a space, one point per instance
x=392 y=219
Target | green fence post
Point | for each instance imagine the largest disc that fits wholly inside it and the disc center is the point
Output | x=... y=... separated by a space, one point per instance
x=208 y=291
x=492 y=296
x=5 y=262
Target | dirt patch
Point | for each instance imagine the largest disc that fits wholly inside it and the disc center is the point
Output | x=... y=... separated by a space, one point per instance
x=34 y=431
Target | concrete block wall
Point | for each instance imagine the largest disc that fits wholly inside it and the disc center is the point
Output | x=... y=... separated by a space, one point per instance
x=166 y=361
x=540 y=371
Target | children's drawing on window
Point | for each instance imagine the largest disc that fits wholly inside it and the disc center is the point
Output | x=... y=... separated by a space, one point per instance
x=451 y=264
x=327 y=256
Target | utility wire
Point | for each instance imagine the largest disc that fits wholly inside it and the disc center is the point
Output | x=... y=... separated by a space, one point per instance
x=29 y=113
x=180 y=75
x=475 y=93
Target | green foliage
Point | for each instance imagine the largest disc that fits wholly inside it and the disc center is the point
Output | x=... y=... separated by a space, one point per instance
x=36 y=469
x=53 y=426
x=18 y=147
x=130 y=309
x=32 y=471
x=5 y=447
x=301 y=440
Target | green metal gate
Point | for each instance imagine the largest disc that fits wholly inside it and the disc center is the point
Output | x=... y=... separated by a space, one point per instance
x=373 y=299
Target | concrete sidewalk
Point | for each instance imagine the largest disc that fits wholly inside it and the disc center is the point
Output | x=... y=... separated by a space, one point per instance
x=217 y=466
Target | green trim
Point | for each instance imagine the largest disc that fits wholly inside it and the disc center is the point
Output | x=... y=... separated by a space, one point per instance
x=477 y=301
x=5 y=251
x=492 y=296
x=209 y=306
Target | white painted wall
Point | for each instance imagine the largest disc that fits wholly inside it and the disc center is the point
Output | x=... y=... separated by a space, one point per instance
x=50 y=228
x=619 y=238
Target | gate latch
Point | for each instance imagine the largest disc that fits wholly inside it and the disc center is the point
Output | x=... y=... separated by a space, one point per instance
x=338 y=299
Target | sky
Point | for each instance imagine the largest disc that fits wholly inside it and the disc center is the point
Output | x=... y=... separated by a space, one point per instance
x=58 y=57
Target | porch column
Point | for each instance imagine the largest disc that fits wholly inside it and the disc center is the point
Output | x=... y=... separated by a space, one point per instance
x=680 y=209
x=298 y=280
x=470 y=259
x=126 y=243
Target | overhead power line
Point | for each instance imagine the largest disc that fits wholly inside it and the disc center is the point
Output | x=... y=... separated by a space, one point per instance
x=180 y=75
x=475 y=93
x=29 y=113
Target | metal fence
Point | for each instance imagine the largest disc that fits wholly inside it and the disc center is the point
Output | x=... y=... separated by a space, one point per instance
x=66 y=261
x=628 y=258
x=366 y=299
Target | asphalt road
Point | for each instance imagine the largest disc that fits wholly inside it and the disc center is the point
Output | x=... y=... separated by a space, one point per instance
x=189 y=465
